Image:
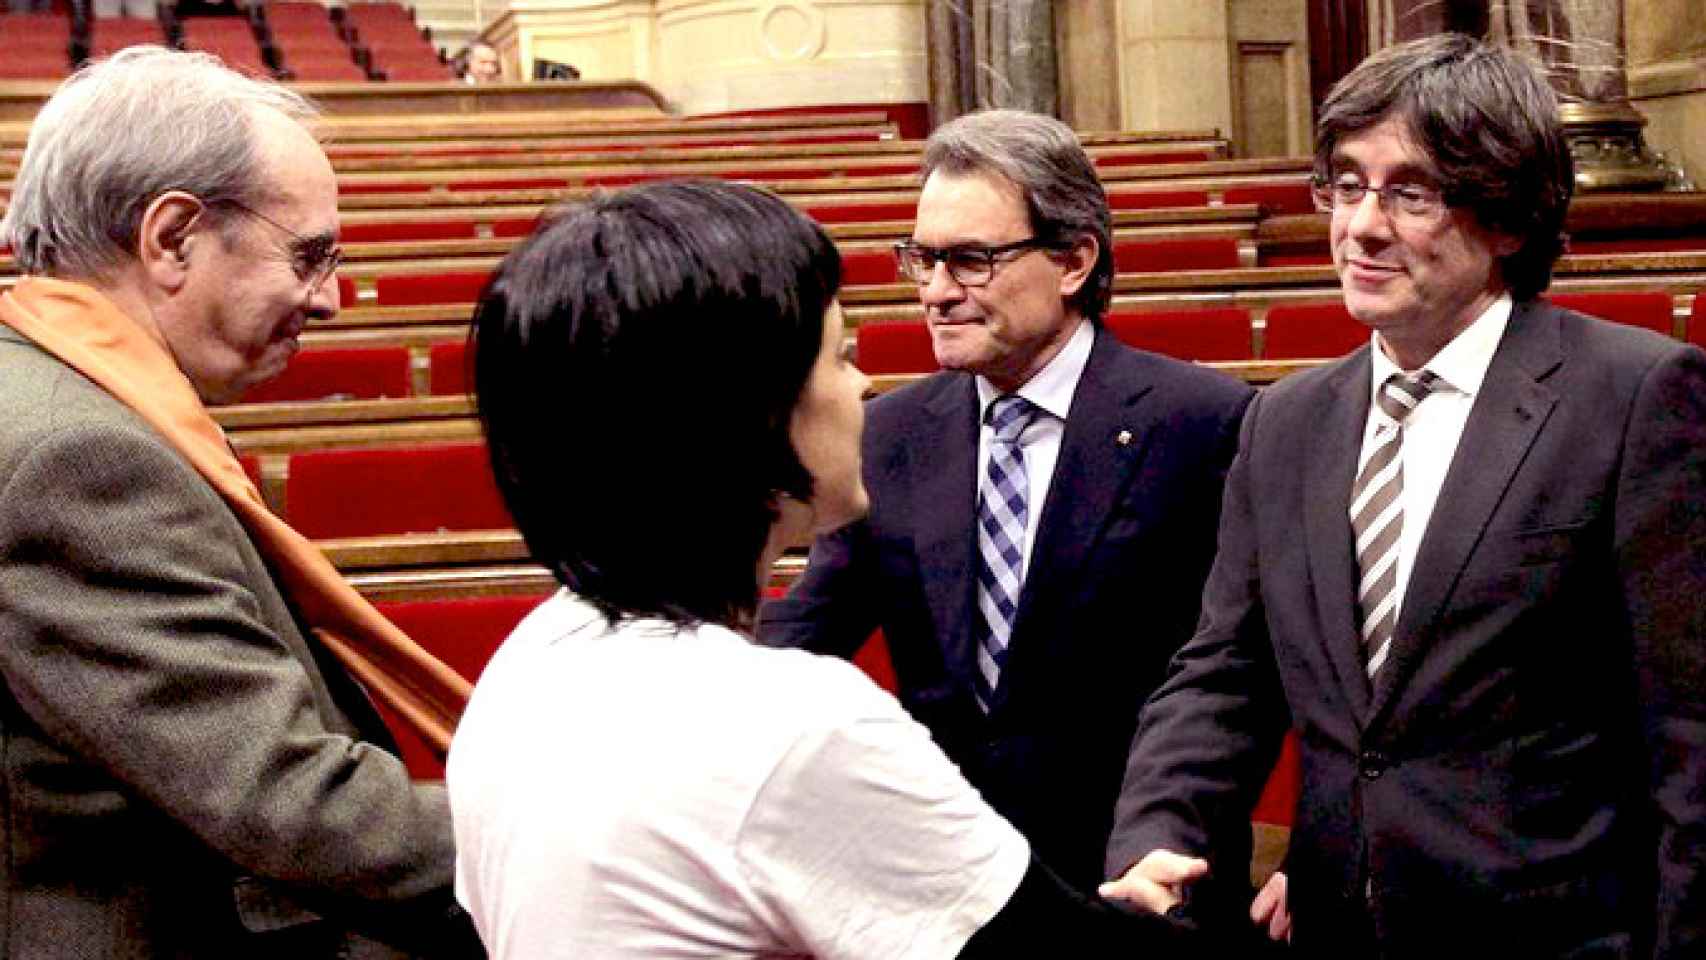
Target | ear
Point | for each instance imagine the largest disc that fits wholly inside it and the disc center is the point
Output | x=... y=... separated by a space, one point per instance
x=166 y=235
x=1502 y=244
x=1079 y=261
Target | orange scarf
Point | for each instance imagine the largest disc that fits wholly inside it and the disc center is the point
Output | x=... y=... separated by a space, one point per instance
x=84 y=329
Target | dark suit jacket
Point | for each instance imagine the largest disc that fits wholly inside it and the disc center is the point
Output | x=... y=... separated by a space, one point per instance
x=1527 y=775
x=183 y=773
x=1123 y=543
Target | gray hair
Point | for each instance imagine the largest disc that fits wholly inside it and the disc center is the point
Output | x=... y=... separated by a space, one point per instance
x=119 y=133
x=1043 y=158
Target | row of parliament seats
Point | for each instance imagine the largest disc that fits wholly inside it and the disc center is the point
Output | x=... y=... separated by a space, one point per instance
x=290 y=40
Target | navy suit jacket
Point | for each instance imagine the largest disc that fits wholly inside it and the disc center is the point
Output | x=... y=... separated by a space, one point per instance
x=1527 y=774
x=1122 y=547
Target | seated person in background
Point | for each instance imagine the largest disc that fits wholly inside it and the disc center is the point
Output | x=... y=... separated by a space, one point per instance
x=481 y=64
x=663 y=389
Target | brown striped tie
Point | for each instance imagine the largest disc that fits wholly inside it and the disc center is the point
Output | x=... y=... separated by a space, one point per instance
x=1377 y=516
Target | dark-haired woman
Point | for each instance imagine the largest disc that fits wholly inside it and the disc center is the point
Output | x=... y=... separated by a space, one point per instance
x=661 y=379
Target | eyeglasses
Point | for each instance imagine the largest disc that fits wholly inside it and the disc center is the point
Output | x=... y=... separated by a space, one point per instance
x=969 y=265
x=313 y=259
x=1412 y=201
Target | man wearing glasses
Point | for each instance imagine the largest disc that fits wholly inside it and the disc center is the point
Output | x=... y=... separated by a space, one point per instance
x=1043 y=509
x=187 y=772
x=1464 y=563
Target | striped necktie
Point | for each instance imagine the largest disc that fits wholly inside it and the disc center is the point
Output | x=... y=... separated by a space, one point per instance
x=1001 y=511
x=1377 y=516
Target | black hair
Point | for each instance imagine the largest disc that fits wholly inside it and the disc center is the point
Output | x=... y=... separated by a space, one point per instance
x=1489 y=123
x=636 y=364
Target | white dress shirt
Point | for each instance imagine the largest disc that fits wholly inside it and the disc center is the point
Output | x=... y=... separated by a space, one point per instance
x=1433 y=429
x=1051 y=390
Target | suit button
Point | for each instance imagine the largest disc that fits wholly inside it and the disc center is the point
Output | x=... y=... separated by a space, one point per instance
x=1372 y=764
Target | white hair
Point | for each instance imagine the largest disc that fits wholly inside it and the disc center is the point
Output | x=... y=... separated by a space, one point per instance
x=119 y=133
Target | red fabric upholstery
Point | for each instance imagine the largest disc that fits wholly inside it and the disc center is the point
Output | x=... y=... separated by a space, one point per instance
x=1279 y=797
x=430 y=288
x=346 y=290
x=34 y=65
x=1153 y=256
x=1274 y=198
x=896 y=346
x=251 y=465
x=1150 y=199
x=864 y=267
x=1647 y=308
x=873 y=658
x=369 y=492
x=464 y=633
x=1639 y=245
x=1135 y=156
x=449 y=366
x=1312 y=330
x=514 y=227
x=1697 y=320
x=859 y=212
x=408 y=230
x=509 y=183
x=1218 y=334
x=346 y=186
x=357 y=374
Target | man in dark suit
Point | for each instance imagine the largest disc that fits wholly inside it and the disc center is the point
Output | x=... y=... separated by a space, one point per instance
x=1032 y=571
x=187 y=771
x=1463 y=563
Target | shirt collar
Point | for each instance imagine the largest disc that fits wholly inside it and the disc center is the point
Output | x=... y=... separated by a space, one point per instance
x=1462 y=364
x=1053 y=386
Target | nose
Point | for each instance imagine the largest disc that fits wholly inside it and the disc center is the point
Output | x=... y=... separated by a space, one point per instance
x=323 y=298
x=1369 y=219
x=941 y=288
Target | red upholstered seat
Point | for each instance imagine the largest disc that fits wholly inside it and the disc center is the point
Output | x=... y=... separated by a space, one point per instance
x=1274 y=198
x=859 y=212
x=449 y=368
x=408 y=230
x=863 y=267
x=429 y=288
x=896 y=346
x=1639 y=245
x=1312 y=330
x=356 y=374
x=1279 y=797
x=1150 y=199
x=1156 y=256
x=1136 y=156
x=1647 y=308
x=463 y=632
x=507 y=183
x=1697 y=321
x=251 y=465
x=346 y=290
x=370 y=492
x=1218 y=334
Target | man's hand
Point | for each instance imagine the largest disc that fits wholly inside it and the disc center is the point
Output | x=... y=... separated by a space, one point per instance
x=1156 y=883
x=1270 y=910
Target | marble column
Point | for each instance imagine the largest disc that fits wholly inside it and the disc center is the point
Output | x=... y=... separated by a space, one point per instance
x=1580 y=45
x=991 y=53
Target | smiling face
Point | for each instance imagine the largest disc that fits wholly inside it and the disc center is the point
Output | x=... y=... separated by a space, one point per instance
x=1013 y=326
x=1420 y=282
x=825 y=428
x=244 y=304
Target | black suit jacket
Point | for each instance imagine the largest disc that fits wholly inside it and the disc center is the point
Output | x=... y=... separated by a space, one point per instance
x=1527 y=774
x=1123 y=543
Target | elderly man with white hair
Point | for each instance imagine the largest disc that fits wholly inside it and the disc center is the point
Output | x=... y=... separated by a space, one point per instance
x=189 y=766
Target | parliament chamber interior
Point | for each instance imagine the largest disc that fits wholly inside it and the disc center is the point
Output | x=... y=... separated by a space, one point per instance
x=369 y=445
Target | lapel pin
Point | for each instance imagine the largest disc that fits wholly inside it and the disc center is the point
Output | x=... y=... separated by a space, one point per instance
x=1123 y=438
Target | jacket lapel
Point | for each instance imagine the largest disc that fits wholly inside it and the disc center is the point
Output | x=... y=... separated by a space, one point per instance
x=942 y=454
x=1329 y=471
x=1108 y=431
x=1508 y=415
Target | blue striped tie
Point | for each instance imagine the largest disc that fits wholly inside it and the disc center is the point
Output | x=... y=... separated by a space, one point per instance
x=1001 y=512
